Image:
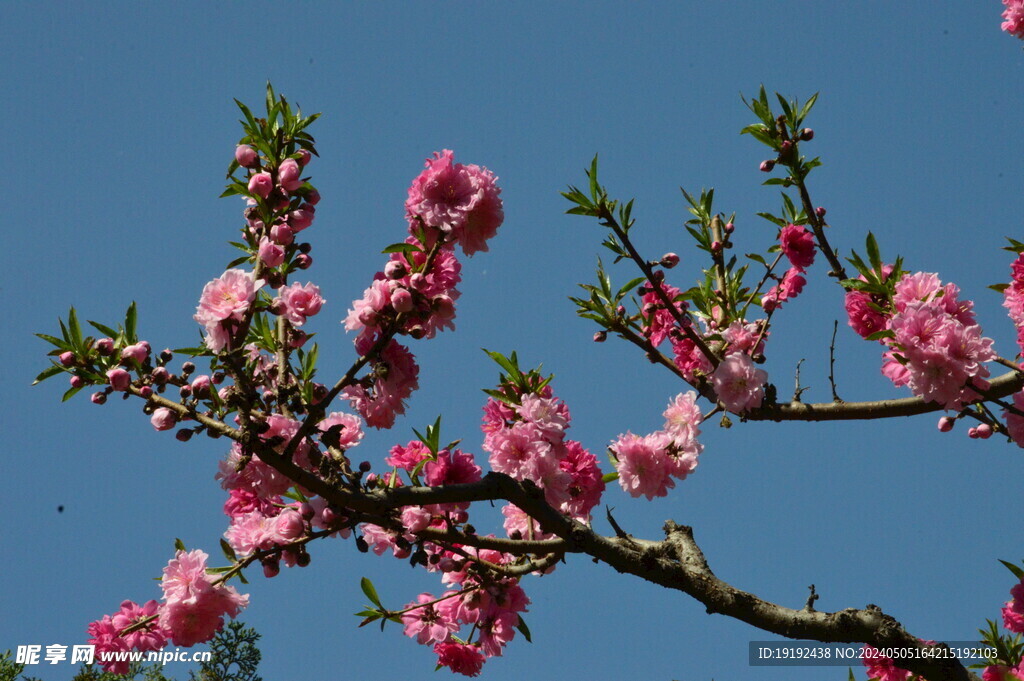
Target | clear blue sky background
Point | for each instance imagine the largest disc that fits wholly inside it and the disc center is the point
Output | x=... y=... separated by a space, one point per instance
x=119 y=126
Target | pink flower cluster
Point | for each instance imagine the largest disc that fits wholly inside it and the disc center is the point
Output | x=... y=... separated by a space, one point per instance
x=397 y=377
x=223 y=304
x=1013 y=610
x=797 y=243
x=526 y=440
x=1013 y=298
x=937 y=349
x=1013 y=18
x=647 y=464
x=738 y=384
x=660 y=321
x=490 y=607
x=194 y=607
x=460 y=200
x=106 y=635
x=1001 y=672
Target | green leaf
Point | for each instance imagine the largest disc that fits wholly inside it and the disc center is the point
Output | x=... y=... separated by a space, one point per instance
x=179 y=545
x=229 y=552
x=610 y=477
x=237 y=261
x=74 y=329
x=71 y=393
x=627 y=287
x=63 y=345
x=401 y=248
x=757 y=258
x=130 y=318
x=879 y=335
x=49 y=371
x=194 y=352
x=367 y=586
x=524 y=630
x=874 y=257
x=999 y=287
x=105 y=330
x=592 y=176
x=1015 y=569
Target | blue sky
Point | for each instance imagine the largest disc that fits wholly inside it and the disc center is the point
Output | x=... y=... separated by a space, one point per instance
x=120 y=124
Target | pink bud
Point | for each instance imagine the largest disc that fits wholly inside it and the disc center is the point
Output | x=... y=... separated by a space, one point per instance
x=328 y=517
x=785 y=146
x=303 y=261
x=163 y=418
x=313 y=197
x=946 y=424
x=807 y=134
x=98 y=398
x=119 y=379
x=105 y=346
x=67 y=358
x=137 y=351
x=261 y=185
x=444 y=307
x=729 y=228
x=395 y=270
x=297 y=339
x=270 y=253
x=984 y=431
x=183 y=435
x=820 y=212
x=201 y=385
x=669 y=260
x=401 y=300
x=288 y=175
x=716 y=246
x=304 y=157
x=145 y=392
x=246 y=156
x=417 y=280
x=766 y=166
x=973 y=433
x=160 y=375
x=282 y=234
x=300 y=219
x=271 y=569
x=600 y=336
x=289 y=525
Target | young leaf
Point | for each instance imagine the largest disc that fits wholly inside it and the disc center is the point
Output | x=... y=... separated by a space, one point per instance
x=229 y=552
x=1015 y=569
x=367 y=586
x=179 y=545
x=524 y=630
x=46 y=373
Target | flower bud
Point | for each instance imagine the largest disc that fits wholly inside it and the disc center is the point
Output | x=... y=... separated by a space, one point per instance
x=785 y=147
x=119 y=379
x=270 y=253
x=261 y=184
x=820 y=212
x=946 y=424
x=188 y=368
x=166 y=355
x=183 y=435
x=417 y=332
x=164 y=419
x=300 y=219
x=303 y=261
x=304 y=157
x=201 y=386
x=185 y=391
x=984 y=431
x=67 y=358
x=137 y=351
x=98 y=398
x=973 y=433
x=271 y=568
x=160 y=375
x=443 y=306
x=600 y=336
x=669 y=260
x=305 y=247
x=729 y=228
x=282 y=234
x=395 y=270
x=806 y=134
x=145 y=392
x=288 y=175
x=246 y=156
x=716 y=246
x=766 y=166
x=105 y=346
x=313 y=197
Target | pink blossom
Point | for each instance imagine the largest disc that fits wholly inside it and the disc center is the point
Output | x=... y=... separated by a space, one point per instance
x=642 y=463
x=254 y=476
x=461 y=658
x=119 y=379
x=301 y=218
x=348 y=427
x=193 y=607
x=682 y=418
x=519 y=523
x=136 y=351
x=738 y=384
x=862 y=312
x=882 y=668
x=149 y=637
x=461 y=200
x=495 y=631
x=395 y=383
x=1015 y=422
x=270 y=253
x=690 y=359
x=425 y=624
x=288 y=175
x=741 y=336
x=659 y=319
x=163 y=418
x=246 y=156
x=520 y=451
x=550 y=416
x=451 y=468
x=380 y=540
x=242 y=501
x=1013 y=18
x=107 y=639
x=1013 y=611
x=299 y=302
x=585 y=481
x=261 y=184
x=791 y=285
x=409 y=456
x=798 y=245
x=224 y=301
